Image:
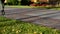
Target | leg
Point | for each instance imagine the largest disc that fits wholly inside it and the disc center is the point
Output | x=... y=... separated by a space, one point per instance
x=2 y=11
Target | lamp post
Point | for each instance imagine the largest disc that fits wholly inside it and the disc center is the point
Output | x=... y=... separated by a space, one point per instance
x=2 y=11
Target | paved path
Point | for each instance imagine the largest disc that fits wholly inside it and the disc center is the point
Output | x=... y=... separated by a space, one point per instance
x=46 y=17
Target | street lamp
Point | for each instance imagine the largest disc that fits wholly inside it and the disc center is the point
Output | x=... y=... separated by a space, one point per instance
x=2 y=11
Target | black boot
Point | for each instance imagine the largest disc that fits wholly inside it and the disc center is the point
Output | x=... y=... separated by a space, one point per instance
x=3 y=12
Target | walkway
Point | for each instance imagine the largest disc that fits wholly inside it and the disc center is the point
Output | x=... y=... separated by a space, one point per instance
x=46 y=17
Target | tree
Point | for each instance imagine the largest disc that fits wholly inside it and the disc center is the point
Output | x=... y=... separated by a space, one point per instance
x=58 y=2
x=25 y=2
x=52 y=2
x=12 y=2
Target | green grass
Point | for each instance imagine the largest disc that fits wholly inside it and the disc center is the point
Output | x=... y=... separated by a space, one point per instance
x=19 y=6
x=54 y=8
x=57 y=8
x=9 y=26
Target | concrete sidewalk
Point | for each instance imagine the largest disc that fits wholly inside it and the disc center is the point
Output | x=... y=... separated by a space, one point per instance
x=44 y=17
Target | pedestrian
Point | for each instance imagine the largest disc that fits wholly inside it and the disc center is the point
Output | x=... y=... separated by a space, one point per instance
x=2 y=11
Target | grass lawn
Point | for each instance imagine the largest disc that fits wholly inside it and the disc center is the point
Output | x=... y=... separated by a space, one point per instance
x=45 y=7
x=56 y=8
x=10 y=26
x=19 y=6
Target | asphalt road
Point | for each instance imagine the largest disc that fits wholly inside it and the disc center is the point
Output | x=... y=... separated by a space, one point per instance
x=46 y=17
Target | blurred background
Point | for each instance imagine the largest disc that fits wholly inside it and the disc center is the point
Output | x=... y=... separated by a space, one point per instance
x=52 y=3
